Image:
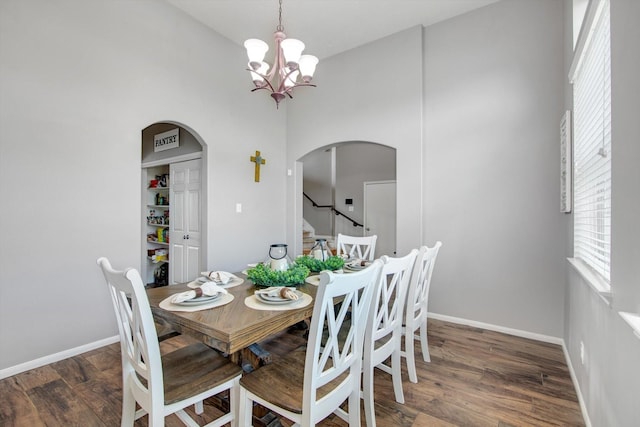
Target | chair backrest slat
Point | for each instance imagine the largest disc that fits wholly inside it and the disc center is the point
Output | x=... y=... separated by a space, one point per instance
x=418 y=297
x=362 y=247
x=387 y=308
x=329 y=359
x=138 y=338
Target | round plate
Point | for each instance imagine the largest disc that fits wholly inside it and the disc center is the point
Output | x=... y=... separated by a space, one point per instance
x=313 y=280
x=200 y=300
x=277 y=299
x=357 y=267
x=235 y=280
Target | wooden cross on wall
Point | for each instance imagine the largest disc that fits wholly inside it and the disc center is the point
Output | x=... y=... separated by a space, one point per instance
x=258 y=160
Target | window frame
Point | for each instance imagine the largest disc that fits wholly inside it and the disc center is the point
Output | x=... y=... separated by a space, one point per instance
x=592 y=156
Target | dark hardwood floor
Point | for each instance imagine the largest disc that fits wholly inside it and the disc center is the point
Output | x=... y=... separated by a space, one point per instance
x=476 y=378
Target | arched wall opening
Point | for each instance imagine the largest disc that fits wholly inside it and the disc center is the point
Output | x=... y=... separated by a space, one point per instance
x=333 y=199
x=173 y=200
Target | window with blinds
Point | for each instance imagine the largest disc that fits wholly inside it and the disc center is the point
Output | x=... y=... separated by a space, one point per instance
x=591 y=78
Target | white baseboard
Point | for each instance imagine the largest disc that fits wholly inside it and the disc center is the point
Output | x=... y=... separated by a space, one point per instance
x=36 y=363
x=496 y=328
x=576 y=385
x=530 y=335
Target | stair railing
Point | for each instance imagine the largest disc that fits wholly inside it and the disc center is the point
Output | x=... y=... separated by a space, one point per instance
x=333 y=209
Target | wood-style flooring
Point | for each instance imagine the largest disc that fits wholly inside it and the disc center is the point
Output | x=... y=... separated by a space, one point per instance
x=476 y=378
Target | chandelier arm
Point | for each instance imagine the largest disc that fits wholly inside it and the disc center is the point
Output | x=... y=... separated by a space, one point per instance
x=261 y=87
x=290 y=89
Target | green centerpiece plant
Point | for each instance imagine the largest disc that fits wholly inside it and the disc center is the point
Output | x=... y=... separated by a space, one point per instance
x=316 y=265
x=263 y=275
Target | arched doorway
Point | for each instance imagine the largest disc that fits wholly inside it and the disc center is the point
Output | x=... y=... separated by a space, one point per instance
x=333 y=191
x=173 y=208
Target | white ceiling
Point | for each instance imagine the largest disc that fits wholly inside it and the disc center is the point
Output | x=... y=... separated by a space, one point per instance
x=327 y=27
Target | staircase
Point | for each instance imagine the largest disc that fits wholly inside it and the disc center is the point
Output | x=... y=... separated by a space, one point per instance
x=309 y=239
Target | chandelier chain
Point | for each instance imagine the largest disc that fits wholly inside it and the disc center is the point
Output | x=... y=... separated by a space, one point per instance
x=280 y=27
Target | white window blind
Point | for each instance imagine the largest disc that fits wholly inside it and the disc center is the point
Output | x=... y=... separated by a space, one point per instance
x=591 y=78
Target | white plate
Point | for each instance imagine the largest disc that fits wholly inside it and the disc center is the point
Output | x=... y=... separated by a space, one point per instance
x=357 y=266
x=235 y=280
x=200 y=300
x=313 y=280
x=267 y=299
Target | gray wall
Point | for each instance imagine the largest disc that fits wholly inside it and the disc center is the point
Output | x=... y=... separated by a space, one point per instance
x=317 y=184
x=357 y=163
x=357 y=100
x=609 y=379
x=493 y=97
x=77 y=90
x=493 y=101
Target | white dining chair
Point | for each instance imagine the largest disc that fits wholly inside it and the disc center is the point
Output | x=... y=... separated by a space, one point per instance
x=163 y=385
x=362 y=247
x=307 y=387
x=383 y=336
x=417 y=307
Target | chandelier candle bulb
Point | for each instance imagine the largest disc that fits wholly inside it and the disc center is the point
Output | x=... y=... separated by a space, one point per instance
x=292 y=50
x=307 y=66
x=256 y=50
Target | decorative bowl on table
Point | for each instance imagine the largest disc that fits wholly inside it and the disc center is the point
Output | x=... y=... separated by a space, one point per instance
x=263 y=276
x=314 y=265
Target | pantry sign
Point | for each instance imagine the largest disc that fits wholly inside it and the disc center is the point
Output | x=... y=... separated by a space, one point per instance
x=166 y=140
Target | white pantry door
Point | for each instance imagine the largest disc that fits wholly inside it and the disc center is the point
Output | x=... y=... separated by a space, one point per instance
x=380 y=215
x=185 y=223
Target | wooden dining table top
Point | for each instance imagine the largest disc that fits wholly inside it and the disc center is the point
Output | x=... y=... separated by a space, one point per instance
x=231 y=327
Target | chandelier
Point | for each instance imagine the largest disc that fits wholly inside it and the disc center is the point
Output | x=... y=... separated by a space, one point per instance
x=290 y=68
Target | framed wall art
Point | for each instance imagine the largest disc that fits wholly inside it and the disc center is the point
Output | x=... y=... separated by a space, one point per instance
x=565 y=163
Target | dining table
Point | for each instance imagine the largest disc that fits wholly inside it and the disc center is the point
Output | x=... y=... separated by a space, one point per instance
x=233 y=327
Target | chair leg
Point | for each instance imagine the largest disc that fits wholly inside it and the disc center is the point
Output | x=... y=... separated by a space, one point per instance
x=198 y=407
x=245 y=409
x=424 y=343
x=396 y=375
x=234 y=402
x=409 y=355
x=367 y=396
x=128 y=406
x=156 y=419
x=354 y=409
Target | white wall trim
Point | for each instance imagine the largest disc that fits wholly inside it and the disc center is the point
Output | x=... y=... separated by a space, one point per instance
x=593 y=279
x=56 y=357
x=175 y=159
x=530 y=335
x=576 y=385
x=496 y=328
x=632 y=320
